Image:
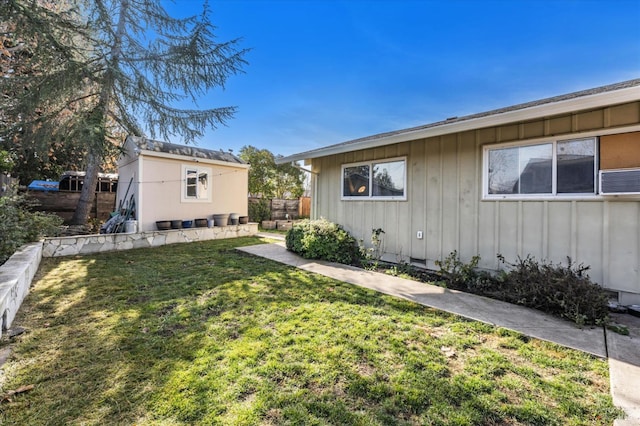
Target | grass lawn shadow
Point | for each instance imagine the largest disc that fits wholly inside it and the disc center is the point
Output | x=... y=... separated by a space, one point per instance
x=200 y=333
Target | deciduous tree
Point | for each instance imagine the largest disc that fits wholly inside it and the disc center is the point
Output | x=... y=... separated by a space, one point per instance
x=269 y=180
x=288 y=181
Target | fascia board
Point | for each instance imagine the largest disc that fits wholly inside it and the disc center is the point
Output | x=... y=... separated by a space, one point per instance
x=521 y=115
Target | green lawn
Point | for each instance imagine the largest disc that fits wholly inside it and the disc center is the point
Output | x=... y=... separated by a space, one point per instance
x=202 y=334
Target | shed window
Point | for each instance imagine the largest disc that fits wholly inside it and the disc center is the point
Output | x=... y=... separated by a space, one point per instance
x=381 y=180
x=550 y=168
x=196 y=184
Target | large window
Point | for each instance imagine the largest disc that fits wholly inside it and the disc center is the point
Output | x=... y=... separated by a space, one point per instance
x=381 y=180
x=549 y=168
x=196 y=183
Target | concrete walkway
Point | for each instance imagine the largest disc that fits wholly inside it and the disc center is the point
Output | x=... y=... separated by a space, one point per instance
x=623 y=352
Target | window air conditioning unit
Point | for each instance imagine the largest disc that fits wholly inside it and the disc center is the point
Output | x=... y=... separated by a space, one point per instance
x=620 y=182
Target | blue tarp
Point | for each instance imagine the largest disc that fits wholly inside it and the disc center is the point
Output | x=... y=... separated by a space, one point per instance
x=43 y=185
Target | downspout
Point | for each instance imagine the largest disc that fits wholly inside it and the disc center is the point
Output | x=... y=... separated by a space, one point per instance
x=315 y=196
x=140 y=213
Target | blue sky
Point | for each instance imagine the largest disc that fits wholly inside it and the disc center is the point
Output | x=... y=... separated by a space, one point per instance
x=324 y=72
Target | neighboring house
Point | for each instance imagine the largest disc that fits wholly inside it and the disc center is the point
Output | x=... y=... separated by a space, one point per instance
x=554 y=178
x=178 y=182
x=73 y=181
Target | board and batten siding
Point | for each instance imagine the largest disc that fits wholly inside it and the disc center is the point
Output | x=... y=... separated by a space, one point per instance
x=444 y=201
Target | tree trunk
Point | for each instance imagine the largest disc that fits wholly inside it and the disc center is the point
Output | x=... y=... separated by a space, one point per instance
x=97 y=147
x=81 y=215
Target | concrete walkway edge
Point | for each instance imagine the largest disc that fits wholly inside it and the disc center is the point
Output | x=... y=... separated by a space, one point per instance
x=623 y=352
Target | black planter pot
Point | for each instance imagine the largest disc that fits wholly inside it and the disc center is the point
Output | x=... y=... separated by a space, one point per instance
x=163 y=225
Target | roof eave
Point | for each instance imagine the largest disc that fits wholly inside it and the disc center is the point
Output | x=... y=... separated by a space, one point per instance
x=180 y=157
x=136 y=144
x=520 y=115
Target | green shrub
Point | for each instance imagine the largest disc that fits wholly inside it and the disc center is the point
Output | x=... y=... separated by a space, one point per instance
x=565 y=291
x=19 y=226
x=465 y=276
x=371 y=257
x=321 y=239
x=456 y=272
x=259 y=211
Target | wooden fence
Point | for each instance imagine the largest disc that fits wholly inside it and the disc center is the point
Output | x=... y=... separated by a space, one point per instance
x=63 y=204
x=305 y=207
x=287 y=209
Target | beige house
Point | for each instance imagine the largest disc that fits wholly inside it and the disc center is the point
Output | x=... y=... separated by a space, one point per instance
x=554 y=178
x=177 y=182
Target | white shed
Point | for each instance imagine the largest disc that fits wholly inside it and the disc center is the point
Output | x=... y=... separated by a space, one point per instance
x=179 y=182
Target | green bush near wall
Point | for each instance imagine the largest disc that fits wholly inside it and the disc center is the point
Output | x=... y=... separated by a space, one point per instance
x=19 y=225
x=259 y=211
x=321 y=239
x=562 y=290
x=565 y=291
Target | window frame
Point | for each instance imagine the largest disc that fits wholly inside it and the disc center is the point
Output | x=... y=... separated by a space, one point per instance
x=370 y=196
x=205 y=197
x=553 y=195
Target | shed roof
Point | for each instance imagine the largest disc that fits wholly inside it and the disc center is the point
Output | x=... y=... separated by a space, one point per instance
x=612 y=94
x=145 y=144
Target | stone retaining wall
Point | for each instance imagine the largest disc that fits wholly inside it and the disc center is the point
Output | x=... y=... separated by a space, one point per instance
x=89 y=244
x=15 y=279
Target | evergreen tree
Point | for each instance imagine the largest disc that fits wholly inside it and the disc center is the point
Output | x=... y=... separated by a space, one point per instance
x=108 y=67
x=28 y=120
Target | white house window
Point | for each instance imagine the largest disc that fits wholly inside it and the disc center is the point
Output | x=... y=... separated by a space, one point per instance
x=545 y=169
x=375 y=180
x=197 y=185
